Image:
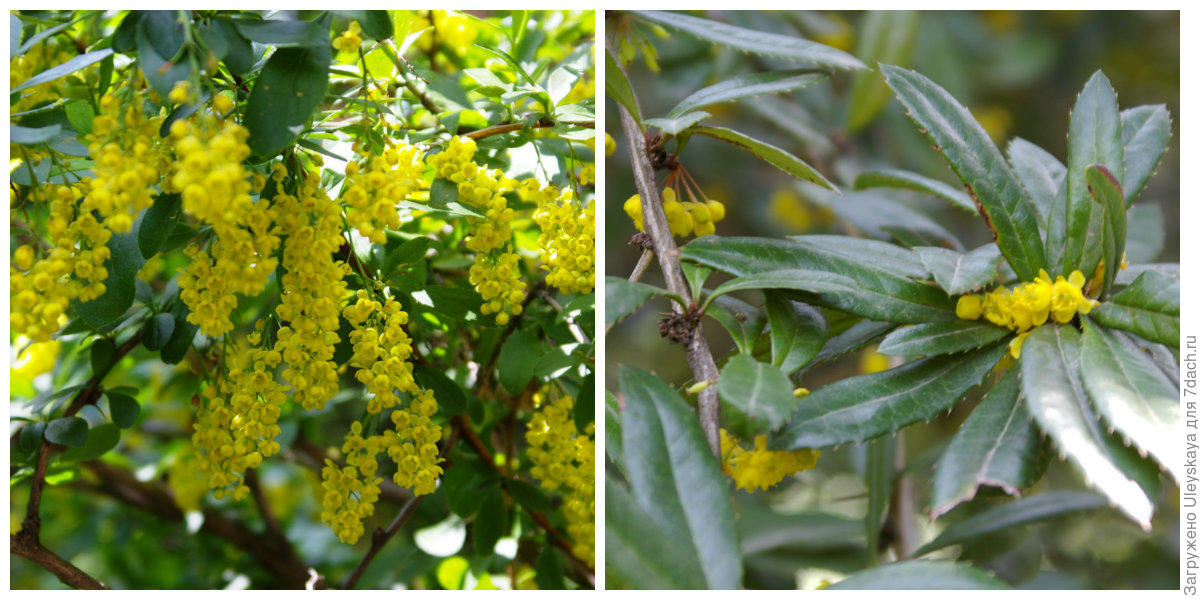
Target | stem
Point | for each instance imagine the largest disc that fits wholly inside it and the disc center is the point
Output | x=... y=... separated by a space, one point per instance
x=508 y=127
x=66 y=572
x=699 y=357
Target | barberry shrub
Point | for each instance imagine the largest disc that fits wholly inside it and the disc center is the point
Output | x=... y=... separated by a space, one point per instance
x=1071 y=342
x=311 y=288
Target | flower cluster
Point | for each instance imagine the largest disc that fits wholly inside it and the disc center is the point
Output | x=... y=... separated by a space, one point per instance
x=1029 y=304
x=564 y=461
x=565 y=241
x=238 y=419
x=215 y=188
x=412 y=445
x=684 y=218
x=350 y=492
x=374 y=187
x=758 y=468
x=128 y=162
x=311 y=291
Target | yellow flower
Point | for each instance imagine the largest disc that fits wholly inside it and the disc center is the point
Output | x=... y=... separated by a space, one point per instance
x=757 y=468
x=349 y=40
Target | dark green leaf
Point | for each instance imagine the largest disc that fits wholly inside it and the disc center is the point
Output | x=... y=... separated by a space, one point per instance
x=676 y=479
x=978 y=163
x=804 y=280
x=75 y=64
x=466 y=486
x=907 y=180
x=1145 y=131
x=1149 y=307
x=1037 y=507
x=755 y=397
x=585 y=403
x=286 y=34
x=491 y=523
x=635 y=547
x=622 y=297
x=528 y=495
x=775 y=155
x=374 y=23
x=758 y=42
x=853 y=338
x=676 y=125
x=1106 y=192
x=921 y=575
x=1055 y=397
x=125 y=37
x=181 y=337
x=31 y=436
x=616 y=86
x=887 y=36
x=119 y=290
x=1132 y=395
x=124 y=409
x=743 y=321
x=1144 y=233
x=960 y=273
x=1040 y=173
x=798 y=331
x=548 y=574
x=746 y=86
x=100 y=439
x=450 y=396
x=859 y=408
x=159 y=37
x=880 y=464
x=32 y=136
x=518 y=357
x=942 y=337
x=68 y=431
x=405 y=252
x=157 y=330
x=289 y=89
x=157 y=224
x=103 y=355
x=239 y=53
x=997 y=446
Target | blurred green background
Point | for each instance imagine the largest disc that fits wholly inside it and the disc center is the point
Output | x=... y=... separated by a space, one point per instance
x=1018 y=73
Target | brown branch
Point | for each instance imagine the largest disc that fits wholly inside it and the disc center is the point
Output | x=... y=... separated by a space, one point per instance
x=510 y=127
x=69 y=574
x=699 y=357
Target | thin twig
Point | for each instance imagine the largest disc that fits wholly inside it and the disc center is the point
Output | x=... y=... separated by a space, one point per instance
x=510 y=127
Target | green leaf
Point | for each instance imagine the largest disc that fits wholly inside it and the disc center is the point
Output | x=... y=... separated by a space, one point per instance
x=921 y=575
x=887 y=36
x=68 y=431
x=103 y=355
x=157 y=224
x=1145 y=131
x=286 y=34
x=623 y=297
x=548 y=574
x=978 y=163
x=743 y=321
x=942 y=337
x=491 y=523
x=616 y=86
x=14 y=36
x=1037 y=507
x=585 y=403
x=676 y=479
x=675 y=125
x=157 y=330
x=797 y=332
x=758 y=42
x=907 y=180
x=123 y=408
x=960 y=273
x=125 y=37
x=181 y=337
x=374 y=23
x=1144 y=233
x=159 y=37
x=1094 y=138
x=853 y=338
x=1041 y=174
x=1054 y=393
x=860 y=408
x=466 y=487
x=612 y=428
x=31 y=436
x=528 y=495
x=450 y=396
x=239 y=53
x=1106 y=192
x=100 y=439
x=805 y=280
x=880 y=464
x=518 y=357
x=779 y=157
x=32 y=136
x=71 y=66
x=747 y=86
x=289 y=89
x=636 y=548
x=1149 y=308
x=880 y=271
x=119 y=290
x=997 y=446
x=1132 y=395
x=755 y=397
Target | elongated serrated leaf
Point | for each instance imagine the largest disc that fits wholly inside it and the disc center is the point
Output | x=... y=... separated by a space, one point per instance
x=959 y=273
x=921 y=575
x=746 y=86
x=1038 y=507
x=1040 y=173
x=639 y=554
x=907 y=180
x=758 y=42
x=805 y=280
x=853 y=338
x=71 y=66
x=882 y=216
x=1149 y=307
x=880 y=468
x=622 y=297
x=612 y=428
x=887 y=36
x=1145 y=131
x=1094 y=138
x=1055 y=397
x=743 y=321
x=756 y=397
x=1106 y=192
x=883 y=291
x=859 y=408
x=291 y=85
x=616 y=86
x=978 y=163
x=1144 y=233
x=784 y=160
x=286 y=34
x=943 y=337
x=676 y=479
x=675 y=125
x=797 y=332
x=1133 y=396
x=997 y=446
x=1130 y=274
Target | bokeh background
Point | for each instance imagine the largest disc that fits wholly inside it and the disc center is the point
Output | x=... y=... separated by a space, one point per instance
x=1018 y=73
